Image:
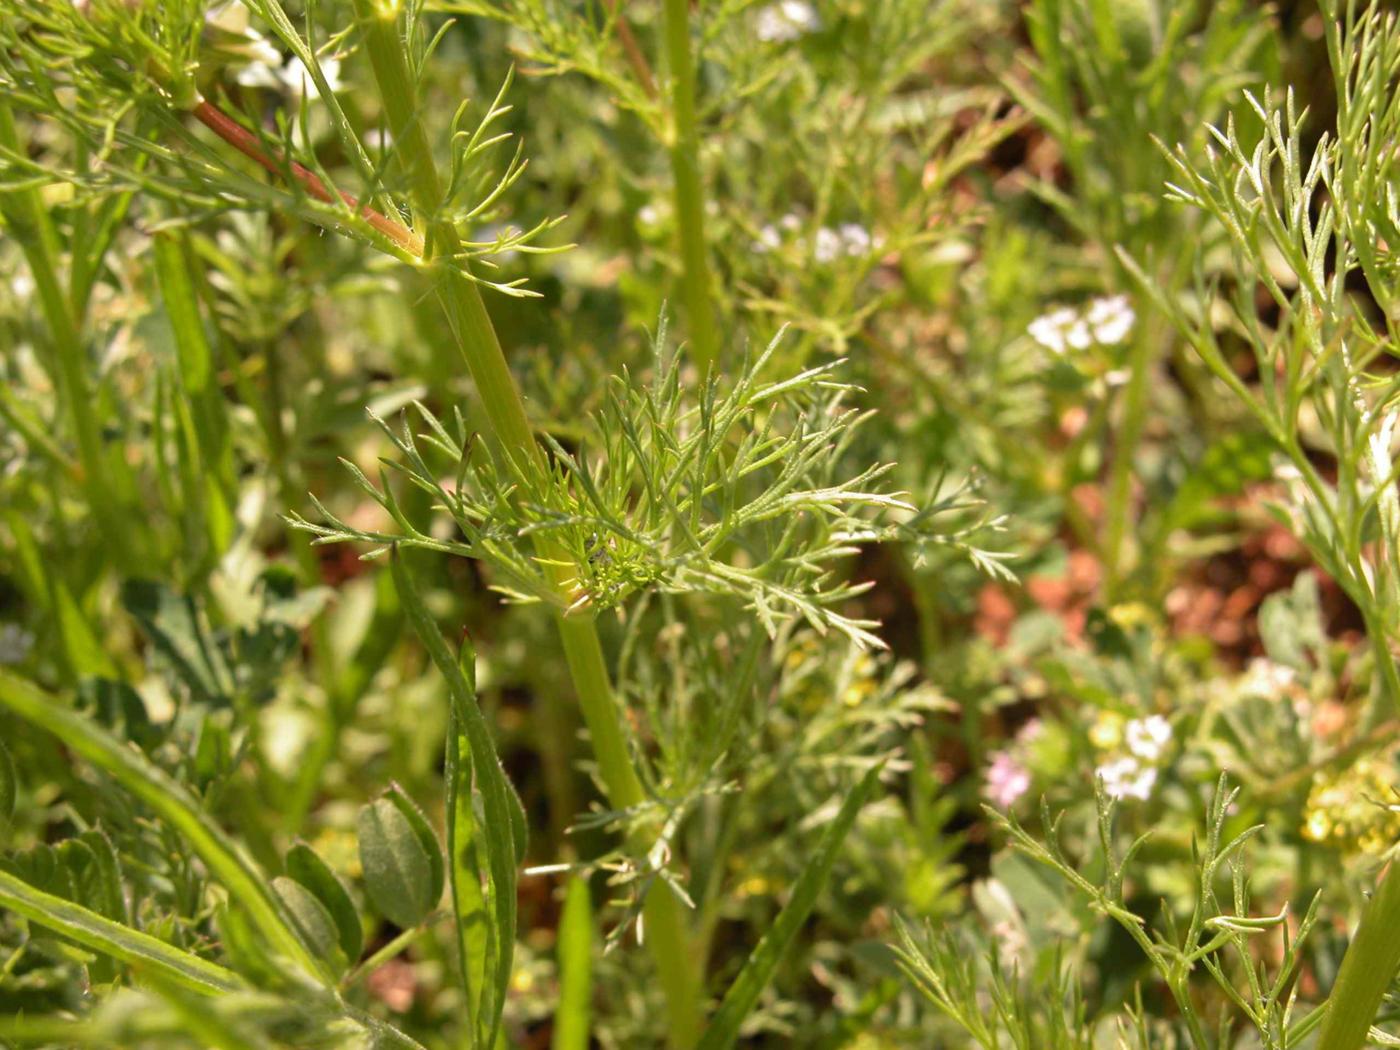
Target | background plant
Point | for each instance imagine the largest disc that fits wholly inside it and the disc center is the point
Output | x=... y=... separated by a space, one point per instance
x=933 y=306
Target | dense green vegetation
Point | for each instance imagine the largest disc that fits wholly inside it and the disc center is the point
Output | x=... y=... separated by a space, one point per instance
x=858 y=523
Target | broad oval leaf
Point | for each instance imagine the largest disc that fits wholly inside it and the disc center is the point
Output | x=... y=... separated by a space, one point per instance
x=307 y=868
x=418 y=820
x=398 y=872
x=313 y=922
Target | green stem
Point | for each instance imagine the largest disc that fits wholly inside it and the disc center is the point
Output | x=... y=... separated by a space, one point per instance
x=395 y=947
x=688 y=187
x=30 y=225
x=1367 y=969
x=500 y=398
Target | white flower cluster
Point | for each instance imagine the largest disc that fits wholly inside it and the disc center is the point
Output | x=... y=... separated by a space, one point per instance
x=1107 y=321
x=260 y=64
x=786 y=21
x=1133 y=775
x=1267 y=679
x=828 y=245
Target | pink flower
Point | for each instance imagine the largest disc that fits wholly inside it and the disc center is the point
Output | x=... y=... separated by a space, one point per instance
x=1007 y=780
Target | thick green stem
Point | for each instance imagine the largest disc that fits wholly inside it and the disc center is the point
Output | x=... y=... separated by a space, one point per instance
x=1367 y=969
x=688 y=187
x=584 y=654
x=500 y=398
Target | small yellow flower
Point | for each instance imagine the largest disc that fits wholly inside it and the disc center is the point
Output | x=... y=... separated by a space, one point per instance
x=858 y=692
x=1107 y=731
x=755 y=886
x=1349 y=808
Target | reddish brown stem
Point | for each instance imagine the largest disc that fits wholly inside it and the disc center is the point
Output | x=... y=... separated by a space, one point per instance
x=248 y=144
x=632 y=49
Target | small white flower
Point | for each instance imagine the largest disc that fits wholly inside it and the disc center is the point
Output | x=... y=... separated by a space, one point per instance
x=1049 y=329
x=1148 y=737
x=1127 y=778
x=1077 y=336
x=856 y=238
x=1007 y=780
x=378 y=139
x=1117 y=377
x=298 y=80
x=1107 y=321
x=769 y=239
x=258 y=59
x=15 y=643
x=827 y=245
x=231 y=17
x=22 y=284
x=790 y=222
x=648 y=215
x=786 y=21
x=260 y=75
x=1111 y=318
x=1266 y=678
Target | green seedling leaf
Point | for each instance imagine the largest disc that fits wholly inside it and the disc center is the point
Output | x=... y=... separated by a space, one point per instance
x=426 y=838
x=723 y=1029
x=41 y=867
x=485 y=826
x=398 y=872
x=94 y=931
x=85 y=651
x=313 y=921
x=94 y=873
x=213 y=749
x=1224 y=470
x=308 y=869
x=172 y=623
x=575 y=969
x=168 y=800
x=118 y=707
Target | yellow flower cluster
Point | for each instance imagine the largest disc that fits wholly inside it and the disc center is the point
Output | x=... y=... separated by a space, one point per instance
x=1355 y=808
